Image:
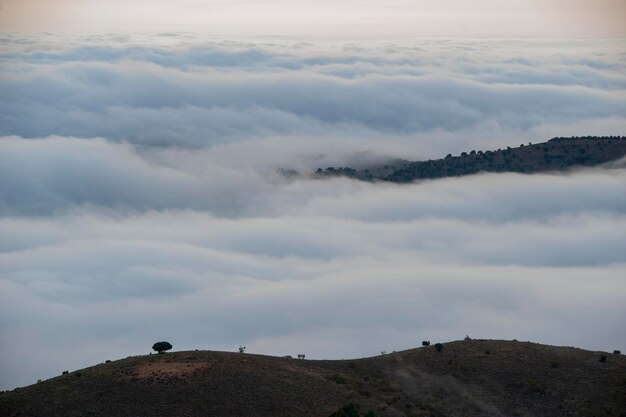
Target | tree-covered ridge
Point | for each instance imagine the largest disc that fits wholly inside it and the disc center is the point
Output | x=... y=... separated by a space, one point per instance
x=557 y=154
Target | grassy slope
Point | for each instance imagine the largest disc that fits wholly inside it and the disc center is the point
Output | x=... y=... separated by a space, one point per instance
x=468 y=378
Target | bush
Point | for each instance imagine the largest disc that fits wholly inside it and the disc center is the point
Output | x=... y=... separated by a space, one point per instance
x=425 y=342
x=439 y=347
x=351 y=410
x=336 y=378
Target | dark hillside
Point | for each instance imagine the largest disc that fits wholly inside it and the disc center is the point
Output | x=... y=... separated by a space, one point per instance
x=555 y=155
x=466 y=378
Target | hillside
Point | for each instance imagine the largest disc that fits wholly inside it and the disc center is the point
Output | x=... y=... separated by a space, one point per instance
x=466 y=378
x=557 y=154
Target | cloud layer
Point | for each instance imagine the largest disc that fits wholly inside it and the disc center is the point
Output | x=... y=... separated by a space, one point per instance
x=174 y=91
x=139 y=199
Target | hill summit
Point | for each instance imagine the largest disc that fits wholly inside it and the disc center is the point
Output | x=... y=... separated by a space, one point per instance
x=463 y=378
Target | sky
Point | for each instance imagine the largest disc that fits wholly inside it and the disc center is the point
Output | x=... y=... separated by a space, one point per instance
x=140 y=198
x=322 y=18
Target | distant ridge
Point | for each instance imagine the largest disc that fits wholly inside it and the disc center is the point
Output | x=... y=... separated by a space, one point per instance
x=467 y=378
x=557 y=154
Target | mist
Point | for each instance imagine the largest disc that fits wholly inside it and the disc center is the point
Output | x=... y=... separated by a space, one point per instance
x=140 y=198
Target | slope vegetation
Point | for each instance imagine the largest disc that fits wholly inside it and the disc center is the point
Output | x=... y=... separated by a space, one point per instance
x=557 y=154
x=466 y=378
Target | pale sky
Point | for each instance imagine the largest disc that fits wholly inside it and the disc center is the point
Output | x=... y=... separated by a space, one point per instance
x=323 y=18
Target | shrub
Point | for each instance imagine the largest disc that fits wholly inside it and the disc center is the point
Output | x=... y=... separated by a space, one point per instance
x=425 y=342
x=536 y=386
x=336 y=378
x=617 y=352
x=439 y=347
x=603 y=358
x=346 y=411
x=351 y=410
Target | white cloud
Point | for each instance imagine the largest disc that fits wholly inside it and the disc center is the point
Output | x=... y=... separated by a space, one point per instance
x=139 y=199
x=203 y=94
x=333 y=268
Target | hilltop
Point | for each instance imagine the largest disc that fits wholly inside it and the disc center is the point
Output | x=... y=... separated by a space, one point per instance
x=557 y=154
x=466 y=378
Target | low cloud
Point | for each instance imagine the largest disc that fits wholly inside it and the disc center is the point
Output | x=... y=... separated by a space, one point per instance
x=139 y=199
x=195 y=94
x=332 y=268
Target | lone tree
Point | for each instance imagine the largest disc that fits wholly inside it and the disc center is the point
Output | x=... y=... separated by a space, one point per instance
x=161 y=347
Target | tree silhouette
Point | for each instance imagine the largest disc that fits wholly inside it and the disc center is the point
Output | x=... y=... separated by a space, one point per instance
x=161 y=346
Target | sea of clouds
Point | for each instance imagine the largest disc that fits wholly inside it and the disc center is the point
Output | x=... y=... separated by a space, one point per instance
x=140 y=199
